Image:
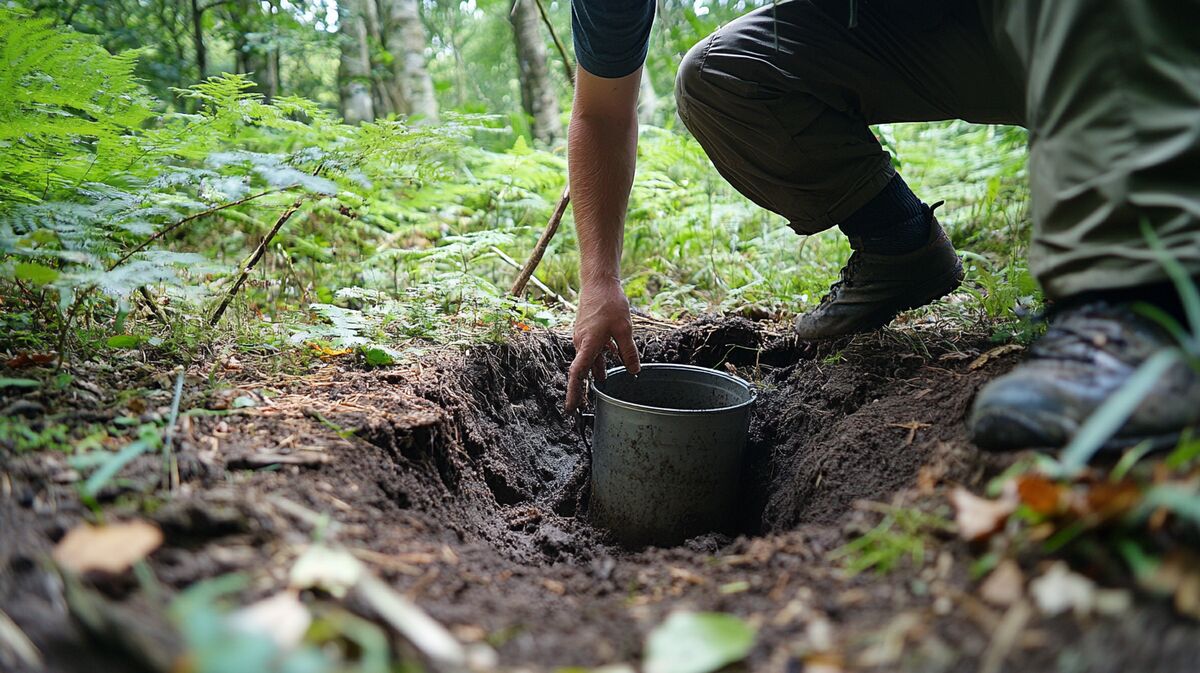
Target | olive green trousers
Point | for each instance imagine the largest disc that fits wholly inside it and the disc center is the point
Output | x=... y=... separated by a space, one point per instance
x=781 y=100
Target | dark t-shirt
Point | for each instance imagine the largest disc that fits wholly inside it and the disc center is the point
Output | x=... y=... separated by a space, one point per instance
x=611 y=36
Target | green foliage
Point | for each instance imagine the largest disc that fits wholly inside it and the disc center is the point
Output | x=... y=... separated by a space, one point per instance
x=405 y=233
x=67 y=109
x=16 y=434
x=902 y=532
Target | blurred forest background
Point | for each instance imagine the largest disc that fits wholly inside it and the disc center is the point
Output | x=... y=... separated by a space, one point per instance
x=354 y=173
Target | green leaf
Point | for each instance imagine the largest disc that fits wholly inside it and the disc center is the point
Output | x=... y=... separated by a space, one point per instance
x=380 y=356
x=697 y=642
x=35 y=273
x=6 y=382
x=124 y=341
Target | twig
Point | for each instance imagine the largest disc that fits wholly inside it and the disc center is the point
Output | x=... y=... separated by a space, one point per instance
x=70 y=318
x=258 y=254
x=194 y=216
x=558 y=43
x=535 y=257
x=153 y=305
x=534 y=279
x=15 y=641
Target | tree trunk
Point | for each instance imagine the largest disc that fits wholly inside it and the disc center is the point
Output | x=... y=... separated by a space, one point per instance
x=405 y=40
x=198 y=40
x=386 y=90
x=354 y=67
x=538 y=97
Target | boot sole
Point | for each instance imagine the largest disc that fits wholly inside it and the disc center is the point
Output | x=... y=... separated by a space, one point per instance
x=941 y=286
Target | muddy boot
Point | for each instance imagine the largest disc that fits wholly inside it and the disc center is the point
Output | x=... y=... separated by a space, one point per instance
x=874 y=288
x=1088 y=352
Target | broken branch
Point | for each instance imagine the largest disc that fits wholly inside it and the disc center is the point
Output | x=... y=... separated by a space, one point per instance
x=535 y=257
x=258 y=254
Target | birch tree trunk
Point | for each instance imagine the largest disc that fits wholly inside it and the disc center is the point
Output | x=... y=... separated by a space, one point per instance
x=538 y=97
x=388 y=98
x=405 y=39
x=354 y=66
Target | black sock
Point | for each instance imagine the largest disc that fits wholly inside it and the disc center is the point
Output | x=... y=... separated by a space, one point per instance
x=892 y=223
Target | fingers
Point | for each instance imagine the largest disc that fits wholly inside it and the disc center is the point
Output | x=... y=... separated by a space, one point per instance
x=577 y=377
x=628 y=351
x=598 y=373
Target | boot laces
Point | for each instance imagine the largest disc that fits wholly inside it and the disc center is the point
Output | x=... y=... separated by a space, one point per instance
x=845 y=278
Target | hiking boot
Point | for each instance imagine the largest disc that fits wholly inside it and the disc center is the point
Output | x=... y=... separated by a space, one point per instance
x=1088 y=352
x=874 y=288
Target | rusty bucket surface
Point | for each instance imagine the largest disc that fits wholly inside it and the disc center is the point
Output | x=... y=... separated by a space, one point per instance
x=667 y=452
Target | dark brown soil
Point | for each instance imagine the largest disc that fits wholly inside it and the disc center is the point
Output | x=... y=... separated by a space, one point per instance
x=464 y=484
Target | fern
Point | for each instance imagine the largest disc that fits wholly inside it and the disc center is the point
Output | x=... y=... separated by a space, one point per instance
x=69 y=110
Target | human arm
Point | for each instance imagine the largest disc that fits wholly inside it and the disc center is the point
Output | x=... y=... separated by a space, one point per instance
x=602 y=154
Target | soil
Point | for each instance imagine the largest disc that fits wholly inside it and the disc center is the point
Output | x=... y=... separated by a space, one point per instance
x=463 y=483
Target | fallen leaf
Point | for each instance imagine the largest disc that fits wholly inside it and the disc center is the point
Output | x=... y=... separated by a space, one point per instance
x=697 y=642
x=687 y=576
x=282 y=617
x=997 y=352
x=1179 y=577
x=1060 y=589
x=824 y=662
x=891 y=641
x=1108 y=500
x=333 y=570
x=111 y=549
x=29 y=359
x=978 y=518
x=1040 y=494
x=1005 y=585
x=325 y=352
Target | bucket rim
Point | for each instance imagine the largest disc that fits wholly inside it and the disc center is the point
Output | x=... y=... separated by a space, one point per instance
x=669 y=411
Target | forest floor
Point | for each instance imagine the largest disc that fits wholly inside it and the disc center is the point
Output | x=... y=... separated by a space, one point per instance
x=457 y=480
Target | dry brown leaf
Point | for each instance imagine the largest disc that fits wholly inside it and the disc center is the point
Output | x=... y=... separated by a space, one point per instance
x=997 y=352
x=111 y=549
x=1179 y=576
x=978 y=518
x=687 y=575
x=1005 y=585
x=824 y=662
x=1110 y=500
x=1040 y=494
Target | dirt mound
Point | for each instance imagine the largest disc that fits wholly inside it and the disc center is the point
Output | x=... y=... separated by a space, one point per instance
x=463 y=483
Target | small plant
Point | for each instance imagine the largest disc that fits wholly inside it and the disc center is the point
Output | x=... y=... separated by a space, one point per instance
x=902 y=532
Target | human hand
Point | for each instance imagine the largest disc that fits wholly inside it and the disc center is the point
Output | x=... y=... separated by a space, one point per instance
x=603 y=319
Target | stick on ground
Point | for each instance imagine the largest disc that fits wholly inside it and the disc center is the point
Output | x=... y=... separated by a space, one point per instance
x=535 y=257
x=258 y=254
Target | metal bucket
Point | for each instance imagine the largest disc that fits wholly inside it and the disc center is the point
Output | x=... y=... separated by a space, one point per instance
x=667 y=452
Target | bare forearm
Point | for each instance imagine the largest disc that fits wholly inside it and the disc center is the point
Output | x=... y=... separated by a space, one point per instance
x=602 y=158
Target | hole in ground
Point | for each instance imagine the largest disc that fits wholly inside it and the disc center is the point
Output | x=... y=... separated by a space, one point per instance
x=833 y=424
